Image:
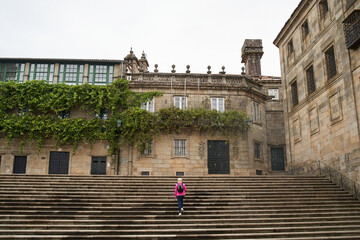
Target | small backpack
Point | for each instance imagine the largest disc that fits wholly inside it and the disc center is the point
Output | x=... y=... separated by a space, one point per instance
x=180 y=188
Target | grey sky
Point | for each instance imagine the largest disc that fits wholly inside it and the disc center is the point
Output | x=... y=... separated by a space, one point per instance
x=194 y=32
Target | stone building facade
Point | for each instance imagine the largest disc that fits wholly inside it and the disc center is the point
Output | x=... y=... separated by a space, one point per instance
x=320 y=65
x=259 y=151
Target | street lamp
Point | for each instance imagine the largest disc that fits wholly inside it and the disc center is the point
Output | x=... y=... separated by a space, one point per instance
x=248 y=123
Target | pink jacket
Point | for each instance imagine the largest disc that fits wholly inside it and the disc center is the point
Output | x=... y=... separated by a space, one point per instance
x=176 y=191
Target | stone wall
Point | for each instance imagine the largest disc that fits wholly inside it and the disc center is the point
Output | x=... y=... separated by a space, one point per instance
x=324 y=125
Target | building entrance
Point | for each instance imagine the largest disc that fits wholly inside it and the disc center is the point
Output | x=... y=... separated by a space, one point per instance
x=218 y=157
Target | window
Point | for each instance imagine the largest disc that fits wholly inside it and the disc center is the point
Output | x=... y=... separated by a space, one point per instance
x=294 y=93
x=149 y=106
x=324 y=8
x=290 y=47
x=274 y=92
x=64 y=114
x=257 y=150
x=180 y=102
x=101 y=74
x=148 y=149
x=305 y=29
x=41 y=72
x=22 y=111
x=71 y=74
x=256 y=112
x=217 y=104
x=180 y=147
x=310 y=80
x=352 y=30
x=330 y=62
x=103 y=114
x=12 y=72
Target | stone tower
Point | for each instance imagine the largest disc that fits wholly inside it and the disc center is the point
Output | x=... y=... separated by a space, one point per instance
x=252 y=52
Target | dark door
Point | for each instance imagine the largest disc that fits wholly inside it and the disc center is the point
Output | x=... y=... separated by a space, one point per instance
x=218 y=157
x=98 y=165
x=20 y=164
x=277 y=159
x=59 y=163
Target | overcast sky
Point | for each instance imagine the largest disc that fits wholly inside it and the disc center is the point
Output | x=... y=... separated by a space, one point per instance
x=194 y=32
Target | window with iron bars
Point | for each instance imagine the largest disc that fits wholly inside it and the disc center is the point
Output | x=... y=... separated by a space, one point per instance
x=330 y=62
x=180 y=147
x=310 y=80
x=352 y=30
x=324 y=8
x=305 y=29
x=294 y=93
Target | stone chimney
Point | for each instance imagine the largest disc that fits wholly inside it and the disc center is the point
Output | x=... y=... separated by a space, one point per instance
x=252 y=52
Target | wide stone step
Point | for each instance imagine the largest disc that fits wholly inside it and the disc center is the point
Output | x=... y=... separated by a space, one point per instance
x=191 y=207
x=106 y=226
x=182 y=220
x=167 y=214
x=231 y=233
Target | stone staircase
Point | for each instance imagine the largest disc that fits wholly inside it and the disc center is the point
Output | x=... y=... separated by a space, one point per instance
x=106 y=207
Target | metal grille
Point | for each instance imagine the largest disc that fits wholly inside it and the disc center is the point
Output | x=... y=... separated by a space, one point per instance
x=330 y=62
x=324 y=7
x=294 y=93
x=352 y=30
x=290 y=47
x=305 y=29
x=180 y=147
x=148 y=149
x=310 y=79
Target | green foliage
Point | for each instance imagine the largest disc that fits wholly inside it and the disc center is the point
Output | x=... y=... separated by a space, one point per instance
x=29 y=111
x=39 y=103
x=140 y=126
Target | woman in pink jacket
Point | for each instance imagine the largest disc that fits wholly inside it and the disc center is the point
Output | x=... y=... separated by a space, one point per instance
x=180 y=190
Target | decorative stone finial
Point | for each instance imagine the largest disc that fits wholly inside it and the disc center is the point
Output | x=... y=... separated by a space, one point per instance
x=143 y=55
x=243 y=71
x=209 y=69
x=223 y=70
x=173 y=68
x=156 y=70
x=131 y=51
x=188 y=69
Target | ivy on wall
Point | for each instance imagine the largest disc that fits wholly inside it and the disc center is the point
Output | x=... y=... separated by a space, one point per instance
x=29 y=112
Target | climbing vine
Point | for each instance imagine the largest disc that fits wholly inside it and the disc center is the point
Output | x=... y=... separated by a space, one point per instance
x=30 y=112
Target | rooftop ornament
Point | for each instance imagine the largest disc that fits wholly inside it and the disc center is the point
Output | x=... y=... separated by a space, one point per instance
x=188 y=69
x=173 y=68
x=223 y=70
x=209 y=69
x=243 y=71
x=156 y=70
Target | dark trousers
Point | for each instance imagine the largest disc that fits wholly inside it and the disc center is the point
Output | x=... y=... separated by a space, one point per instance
x=180 y=202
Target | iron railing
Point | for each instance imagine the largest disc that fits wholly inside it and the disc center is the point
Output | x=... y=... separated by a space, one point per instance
x=340 y=179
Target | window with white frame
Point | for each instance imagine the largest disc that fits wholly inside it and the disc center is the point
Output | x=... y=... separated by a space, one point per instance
x=71 y=74
x=217 y=104
x=274 y=92
x=148 y=149
x=256 y=112
x=180 y=147
x=149 y=106
x=180 y=102
x=12 y=72
x=101 y=74
x=103 y=114
x=42 y=71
